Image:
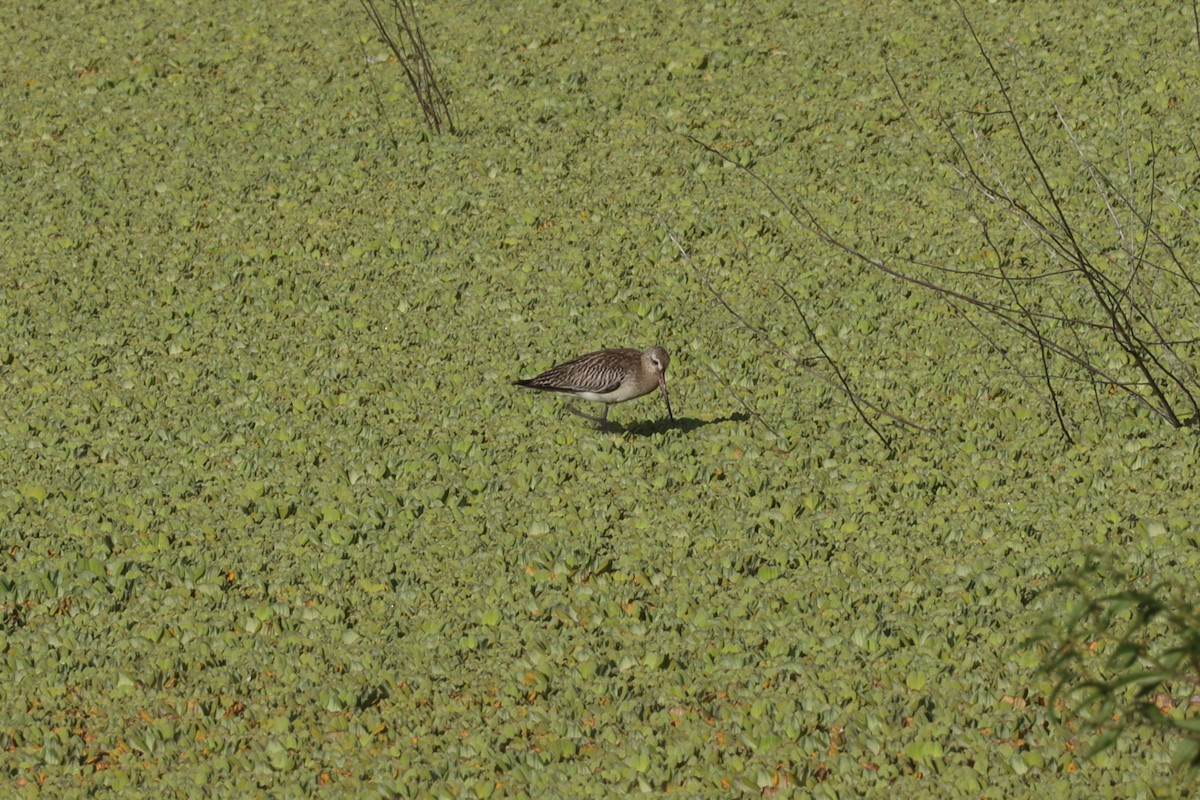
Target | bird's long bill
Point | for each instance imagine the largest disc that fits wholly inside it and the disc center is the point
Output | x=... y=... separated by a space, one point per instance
x=662 y=384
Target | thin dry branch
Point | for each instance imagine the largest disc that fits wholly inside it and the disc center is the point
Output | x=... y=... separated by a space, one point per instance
x=1008 y=316
x=402 y=34
x=841 y=377
x=1129 y=309
x=840 y=383
x=741 y=401
x=1196 y=19
x=1103 y=292
x=1039 y=338
x=1109 y=311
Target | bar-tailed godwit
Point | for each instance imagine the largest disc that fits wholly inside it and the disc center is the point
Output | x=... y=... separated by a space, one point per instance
x=607 y=376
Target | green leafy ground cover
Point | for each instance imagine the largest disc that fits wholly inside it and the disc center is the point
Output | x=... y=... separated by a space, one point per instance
x=274 y=520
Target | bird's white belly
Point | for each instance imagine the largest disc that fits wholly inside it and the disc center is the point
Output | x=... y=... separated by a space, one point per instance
x=607 y=397
x=626 y=391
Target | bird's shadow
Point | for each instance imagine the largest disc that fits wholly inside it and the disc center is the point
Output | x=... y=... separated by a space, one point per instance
x=684 y=424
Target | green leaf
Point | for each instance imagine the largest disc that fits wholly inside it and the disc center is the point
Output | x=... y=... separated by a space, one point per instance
x=1187 y=754
x=33 y=491
x=254 y=490
x=1103 y=742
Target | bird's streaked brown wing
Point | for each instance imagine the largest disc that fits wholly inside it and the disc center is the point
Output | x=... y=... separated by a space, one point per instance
x=600 y=372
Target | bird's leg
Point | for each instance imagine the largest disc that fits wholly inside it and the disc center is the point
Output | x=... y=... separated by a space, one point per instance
x=601 y=421
x=589 y=417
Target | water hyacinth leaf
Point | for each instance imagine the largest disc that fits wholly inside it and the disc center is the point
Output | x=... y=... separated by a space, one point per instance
x=253 y=490
x=1187 y=754
x=272 y=516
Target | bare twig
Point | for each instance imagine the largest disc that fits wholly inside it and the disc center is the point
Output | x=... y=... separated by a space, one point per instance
x=403 y=37
x=1075 y=310
x=387 y=120
x=1007 y=315
x=1032 y=321
x=1130 y=310
x=841 y=378
x=746 y=406
x=1196 y=19
x=840 y=383
x=1102 y=290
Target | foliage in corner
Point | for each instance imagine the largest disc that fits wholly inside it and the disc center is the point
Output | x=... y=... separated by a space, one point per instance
x=1121 y=655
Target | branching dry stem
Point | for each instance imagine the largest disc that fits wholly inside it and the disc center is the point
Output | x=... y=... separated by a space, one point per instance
x=840 y=382
x=402 y=35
